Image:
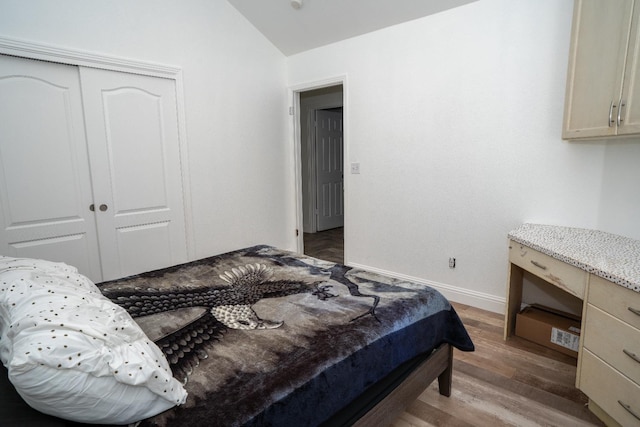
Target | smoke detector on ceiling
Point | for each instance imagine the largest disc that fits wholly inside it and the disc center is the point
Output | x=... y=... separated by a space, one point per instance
x=296 y=4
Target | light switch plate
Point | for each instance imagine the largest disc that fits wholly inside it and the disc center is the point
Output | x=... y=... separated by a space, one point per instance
x=355 y=168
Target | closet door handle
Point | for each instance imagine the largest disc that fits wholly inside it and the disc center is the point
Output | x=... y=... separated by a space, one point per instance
x=103 y=207
x=634 y=311
x=92 y=207
x=611 y=107
x=620 y=119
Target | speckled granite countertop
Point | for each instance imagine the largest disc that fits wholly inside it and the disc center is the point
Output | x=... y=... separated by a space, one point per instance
x=615 y=258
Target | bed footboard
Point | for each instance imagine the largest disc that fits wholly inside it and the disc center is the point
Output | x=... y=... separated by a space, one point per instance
x=438 y=365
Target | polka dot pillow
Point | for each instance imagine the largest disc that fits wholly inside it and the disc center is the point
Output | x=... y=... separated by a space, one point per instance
x=72 y=353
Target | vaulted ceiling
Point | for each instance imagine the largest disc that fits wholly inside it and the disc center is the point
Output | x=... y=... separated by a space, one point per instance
x=320 y=22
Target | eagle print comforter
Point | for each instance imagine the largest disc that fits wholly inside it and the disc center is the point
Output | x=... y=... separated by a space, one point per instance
x=263 y=336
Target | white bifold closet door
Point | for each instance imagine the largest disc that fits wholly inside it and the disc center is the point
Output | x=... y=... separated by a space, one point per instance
x=90 y=168
x=132 y=130
x=45 y=184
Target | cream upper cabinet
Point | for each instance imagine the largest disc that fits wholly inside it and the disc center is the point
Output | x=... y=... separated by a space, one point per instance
x=602 y=94
x=630 y=116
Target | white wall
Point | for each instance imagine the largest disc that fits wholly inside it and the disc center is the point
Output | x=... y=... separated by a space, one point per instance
x=235 y=101
x=620 y=200
x=456 y=121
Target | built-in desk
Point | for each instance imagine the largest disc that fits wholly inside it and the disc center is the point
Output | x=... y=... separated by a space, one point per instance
x=603 y=270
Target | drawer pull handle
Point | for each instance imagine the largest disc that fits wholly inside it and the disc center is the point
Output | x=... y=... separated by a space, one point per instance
x=537 y=264
x=631 y=355
x=634 y=311
x=628 y=408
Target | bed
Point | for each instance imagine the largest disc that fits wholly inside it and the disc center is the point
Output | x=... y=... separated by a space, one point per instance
x=262 y=336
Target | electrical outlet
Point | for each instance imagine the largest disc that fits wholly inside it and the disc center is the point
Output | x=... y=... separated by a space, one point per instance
x=452 y=262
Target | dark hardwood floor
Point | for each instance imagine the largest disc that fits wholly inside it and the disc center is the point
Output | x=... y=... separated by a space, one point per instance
x=502 y=383
x=327 y=245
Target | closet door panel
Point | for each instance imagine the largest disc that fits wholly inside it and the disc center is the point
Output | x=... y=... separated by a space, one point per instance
x=136 y=149
x=134 y=245
x=45 y=188
x=71 y=249
x=135 y=163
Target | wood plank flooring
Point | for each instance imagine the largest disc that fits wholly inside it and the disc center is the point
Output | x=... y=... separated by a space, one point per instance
x=327 y=245
x=512 y=383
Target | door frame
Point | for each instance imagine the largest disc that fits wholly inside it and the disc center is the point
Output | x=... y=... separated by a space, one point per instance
x=295 y=127
x=46 y=52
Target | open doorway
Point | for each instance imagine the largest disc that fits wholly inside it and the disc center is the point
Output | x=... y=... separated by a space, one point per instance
x=322 y=172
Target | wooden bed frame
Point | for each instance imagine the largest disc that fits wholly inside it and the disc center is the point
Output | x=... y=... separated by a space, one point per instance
x=438 y=365
x=383 y=402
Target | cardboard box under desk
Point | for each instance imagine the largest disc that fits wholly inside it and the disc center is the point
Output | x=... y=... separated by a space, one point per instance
x=549 y=327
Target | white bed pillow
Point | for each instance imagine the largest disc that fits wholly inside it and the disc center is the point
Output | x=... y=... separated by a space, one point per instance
x=72 y=353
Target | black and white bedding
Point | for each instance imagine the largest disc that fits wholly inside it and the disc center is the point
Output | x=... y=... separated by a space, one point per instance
x=254 y=337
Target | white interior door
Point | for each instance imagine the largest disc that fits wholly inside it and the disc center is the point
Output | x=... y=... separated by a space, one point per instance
x=329 y=170
x=45 y=186
x=132 y=132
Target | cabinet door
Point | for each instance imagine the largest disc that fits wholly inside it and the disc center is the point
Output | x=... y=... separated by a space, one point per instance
x=132 y=133
x=596 y=67
x=630 y=117
x=45 y=186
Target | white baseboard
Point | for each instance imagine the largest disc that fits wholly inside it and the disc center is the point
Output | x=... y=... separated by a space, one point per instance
x=453 y=293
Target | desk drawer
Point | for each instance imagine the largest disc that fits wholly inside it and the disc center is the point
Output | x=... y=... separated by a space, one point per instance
x=615 y=300
x=565 y=276
x=613 y=341
x=606 y=386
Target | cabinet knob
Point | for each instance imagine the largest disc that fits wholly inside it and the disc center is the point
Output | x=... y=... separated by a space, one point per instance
x=103 y=207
